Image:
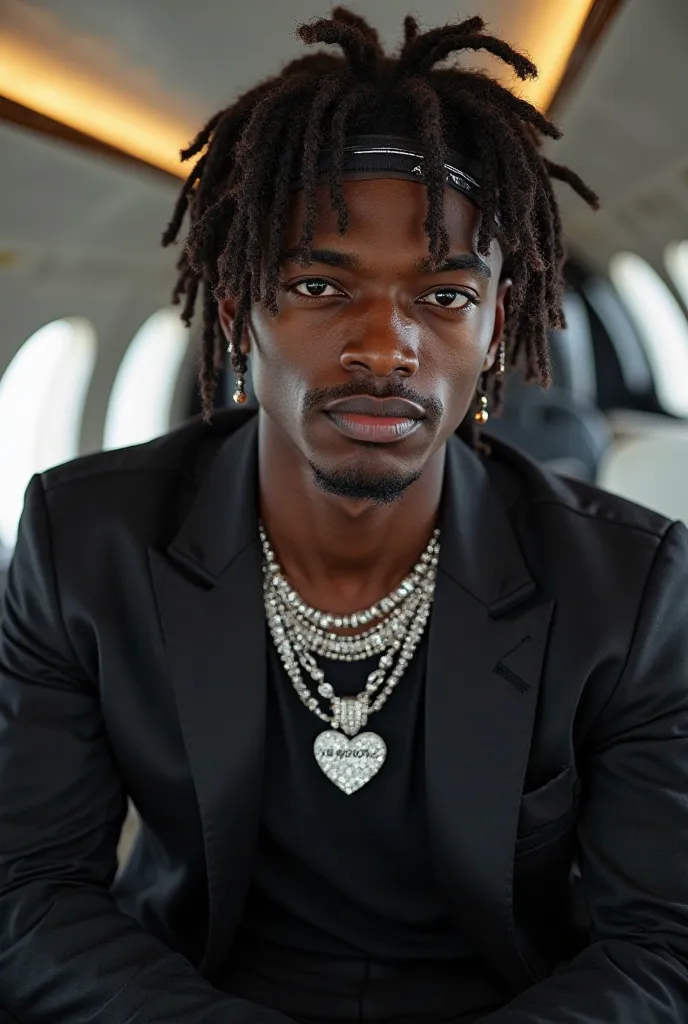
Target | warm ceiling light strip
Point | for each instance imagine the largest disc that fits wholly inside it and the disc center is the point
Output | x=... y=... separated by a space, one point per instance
x=549 y=36
x=39 y=81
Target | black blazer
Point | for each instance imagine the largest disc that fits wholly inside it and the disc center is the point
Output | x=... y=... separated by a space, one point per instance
x=132 y=662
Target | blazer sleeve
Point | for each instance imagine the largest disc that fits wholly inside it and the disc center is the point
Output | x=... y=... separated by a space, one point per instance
x=67 y=953
x=633 y=831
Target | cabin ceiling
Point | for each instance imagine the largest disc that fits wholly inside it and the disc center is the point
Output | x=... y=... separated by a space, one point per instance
x=625 y=129
x=626 y=132
x=197 y=56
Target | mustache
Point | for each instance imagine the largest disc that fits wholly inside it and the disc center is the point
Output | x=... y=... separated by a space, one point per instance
x=372 y=388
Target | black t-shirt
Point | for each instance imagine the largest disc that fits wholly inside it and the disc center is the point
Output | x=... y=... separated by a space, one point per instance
x=348 y=875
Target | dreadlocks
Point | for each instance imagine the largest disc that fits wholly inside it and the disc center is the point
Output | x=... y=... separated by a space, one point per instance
x=238 y=193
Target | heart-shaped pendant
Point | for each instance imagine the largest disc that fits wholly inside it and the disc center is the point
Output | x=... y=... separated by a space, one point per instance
x=350 y=763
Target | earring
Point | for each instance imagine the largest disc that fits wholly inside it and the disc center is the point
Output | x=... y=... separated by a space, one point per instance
x=501 y=356
x=482 y=415
x=239 y=395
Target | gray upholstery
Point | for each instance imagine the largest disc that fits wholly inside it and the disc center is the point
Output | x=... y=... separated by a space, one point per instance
x=554 y=428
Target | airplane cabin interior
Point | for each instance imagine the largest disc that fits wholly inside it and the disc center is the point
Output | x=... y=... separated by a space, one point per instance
x=96 y=99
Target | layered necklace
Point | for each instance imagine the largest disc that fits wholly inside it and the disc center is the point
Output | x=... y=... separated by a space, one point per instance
x=391 y=628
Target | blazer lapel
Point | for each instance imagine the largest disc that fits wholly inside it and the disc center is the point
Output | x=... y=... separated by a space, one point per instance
x=488 y=633
x=209 y=592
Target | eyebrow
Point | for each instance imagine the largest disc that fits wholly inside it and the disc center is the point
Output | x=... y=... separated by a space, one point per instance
x=459 y=261
x=330 y=257
x=347 y=261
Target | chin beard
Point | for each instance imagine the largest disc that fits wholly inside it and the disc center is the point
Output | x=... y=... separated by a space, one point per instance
x=357 y=486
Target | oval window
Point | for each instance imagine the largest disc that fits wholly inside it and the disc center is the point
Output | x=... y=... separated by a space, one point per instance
x=676 y=262
x=140 y=403
x=662 y=325
x=42 y=396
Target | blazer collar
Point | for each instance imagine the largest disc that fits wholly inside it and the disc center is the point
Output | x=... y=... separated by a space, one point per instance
x=223 y=518
x=479 y=548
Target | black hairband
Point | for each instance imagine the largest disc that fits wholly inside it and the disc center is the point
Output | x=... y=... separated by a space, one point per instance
x=385 y=156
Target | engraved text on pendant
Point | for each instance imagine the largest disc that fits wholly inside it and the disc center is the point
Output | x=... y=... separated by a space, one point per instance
x=350 y=763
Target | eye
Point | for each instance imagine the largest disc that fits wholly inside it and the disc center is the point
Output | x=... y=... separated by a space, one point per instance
x=315 y=288
x=448 y=298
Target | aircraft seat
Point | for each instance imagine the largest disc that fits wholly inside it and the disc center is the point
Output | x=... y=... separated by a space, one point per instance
x=652 y=471
x=558 y=429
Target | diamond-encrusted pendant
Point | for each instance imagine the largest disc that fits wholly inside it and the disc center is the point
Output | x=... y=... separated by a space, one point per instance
x=350 y=763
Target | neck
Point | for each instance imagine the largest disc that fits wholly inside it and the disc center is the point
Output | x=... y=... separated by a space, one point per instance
x=340 y=554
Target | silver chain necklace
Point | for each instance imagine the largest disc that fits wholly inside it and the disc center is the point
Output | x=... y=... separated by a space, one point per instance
x=395 y=626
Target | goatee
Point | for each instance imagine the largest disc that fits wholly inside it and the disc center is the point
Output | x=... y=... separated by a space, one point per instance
x=356 y=486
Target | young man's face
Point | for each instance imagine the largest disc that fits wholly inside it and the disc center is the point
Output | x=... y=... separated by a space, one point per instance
x=367 y=318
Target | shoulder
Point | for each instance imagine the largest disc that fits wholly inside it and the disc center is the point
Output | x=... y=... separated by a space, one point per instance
x=145 y=488
x=572 y=527
x=180 y=452
x=566 y=500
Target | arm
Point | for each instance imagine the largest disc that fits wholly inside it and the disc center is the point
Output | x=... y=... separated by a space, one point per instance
x=633 y=831
x=67 y=953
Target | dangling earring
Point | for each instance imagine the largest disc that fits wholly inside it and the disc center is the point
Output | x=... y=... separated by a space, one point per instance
x=482 y=414
x=239 y=395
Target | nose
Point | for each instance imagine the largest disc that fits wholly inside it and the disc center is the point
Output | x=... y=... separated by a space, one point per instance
x=385 y=343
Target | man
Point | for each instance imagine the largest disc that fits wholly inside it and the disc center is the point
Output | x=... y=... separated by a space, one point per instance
x=405 y=719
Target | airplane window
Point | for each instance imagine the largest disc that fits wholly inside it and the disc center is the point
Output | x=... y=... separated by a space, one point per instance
x=140 y=403
x=662 y=324
x=42 y=395
x=676 y=260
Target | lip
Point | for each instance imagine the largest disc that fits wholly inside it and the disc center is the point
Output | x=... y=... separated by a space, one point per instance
x=375 y=420
x=383 y=408
x=376 y=429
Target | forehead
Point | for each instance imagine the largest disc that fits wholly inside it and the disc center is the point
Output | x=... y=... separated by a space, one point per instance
x=386 y=214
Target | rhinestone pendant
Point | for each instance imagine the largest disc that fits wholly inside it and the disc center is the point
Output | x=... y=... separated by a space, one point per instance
x=349 y=763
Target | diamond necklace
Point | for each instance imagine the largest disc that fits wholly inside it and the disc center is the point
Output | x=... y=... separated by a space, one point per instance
x=300 y=632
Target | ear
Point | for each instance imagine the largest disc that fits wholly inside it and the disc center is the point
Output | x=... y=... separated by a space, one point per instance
x=226 y=309
x=500 y=317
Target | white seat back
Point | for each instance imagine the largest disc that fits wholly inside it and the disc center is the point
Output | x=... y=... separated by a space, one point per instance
x=652 y=471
